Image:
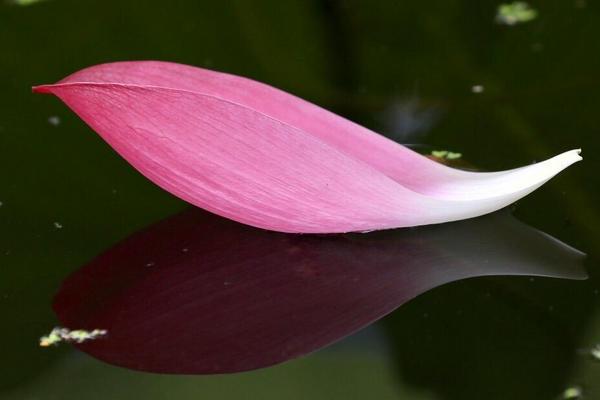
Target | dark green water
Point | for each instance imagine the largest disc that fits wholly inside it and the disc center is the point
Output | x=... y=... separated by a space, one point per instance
x=405 y=69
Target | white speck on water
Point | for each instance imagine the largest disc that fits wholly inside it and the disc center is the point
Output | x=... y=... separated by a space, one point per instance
x=531 y=279
x=185 y=250
x=1 y=203
x=477 y=89
x=54 y=120
x=58 y=225
x=150 y=264
x=595 y=352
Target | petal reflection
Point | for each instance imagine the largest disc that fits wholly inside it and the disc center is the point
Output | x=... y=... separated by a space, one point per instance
x=199 y=294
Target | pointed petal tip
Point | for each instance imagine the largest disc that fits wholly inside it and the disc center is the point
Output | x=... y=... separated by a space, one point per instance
x=41 y=89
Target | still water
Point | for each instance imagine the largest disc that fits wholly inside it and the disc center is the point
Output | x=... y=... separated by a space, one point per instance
x=87 y=242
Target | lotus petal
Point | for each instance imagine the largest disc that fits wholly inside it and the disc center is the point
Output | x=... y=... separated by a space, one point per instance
x=260 y=156
x=199 y=294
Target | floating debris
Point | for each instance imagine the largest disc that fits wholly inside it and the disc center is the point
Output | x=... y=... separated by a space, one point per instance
x=574 y=392
x=54 y=120
x=595 y=352
x=477 y=89
x=58 y=225
x=59 y=335
x=1 y=203
x=445 y=154
x=23 y=2
x=515 y=13
x=150 y=264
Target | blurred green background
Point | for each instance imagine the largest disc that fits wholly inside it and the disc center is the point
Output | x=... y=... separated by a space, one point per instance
x=403 y=68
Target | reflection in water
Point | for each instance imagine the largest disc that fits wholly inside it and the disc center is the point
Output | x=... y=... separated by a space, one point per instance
x=407 y=121
x=200 y=294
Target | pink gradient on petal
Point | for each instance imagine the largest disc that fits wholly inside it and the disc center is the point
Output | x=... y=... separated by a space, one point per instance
x=255 y=154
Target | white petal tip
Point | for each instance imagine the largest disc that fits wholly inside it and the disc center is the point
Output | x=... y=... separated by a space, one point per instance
x=573 y=156
x=565 y=159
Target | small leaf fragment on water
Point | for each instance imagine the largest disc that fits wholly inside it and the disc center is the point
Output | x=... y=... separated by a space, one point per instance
x=573 y=392
x=445 y=154
x=53 y=338
x=65 y=335
x=515 y=13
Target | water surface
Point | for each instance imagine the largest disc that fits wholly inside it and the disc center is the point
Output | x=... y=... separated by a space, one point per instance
x=405 y=69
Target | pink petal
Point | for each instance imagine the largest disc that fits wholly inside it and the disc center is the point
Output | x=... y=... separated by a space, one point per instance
x=255 y=154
